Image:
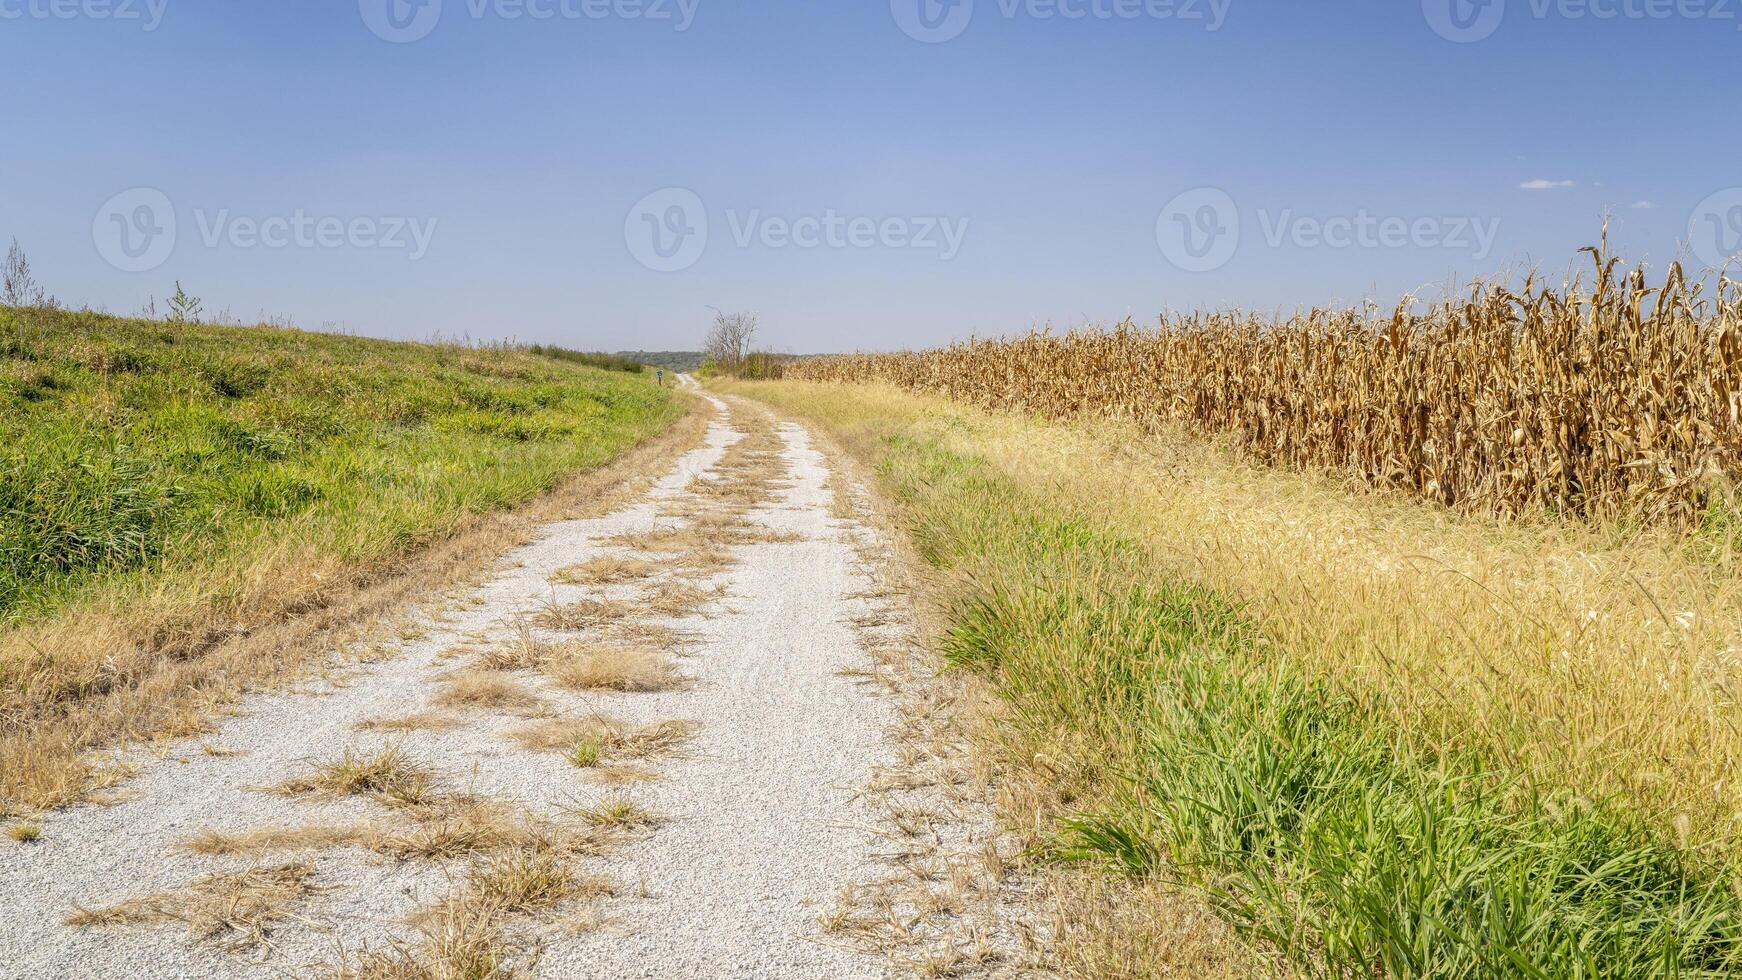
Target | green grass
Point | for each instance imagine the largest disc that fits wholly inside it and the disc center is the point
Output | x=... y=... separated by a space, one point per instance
x=131 y=449
x=1208 y=756
x=586 y=753
x=607 y=362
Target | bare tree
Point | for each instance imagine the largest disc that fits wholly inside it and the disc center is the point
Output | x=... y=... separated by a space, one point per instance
x=730 y=338
x=17 y=287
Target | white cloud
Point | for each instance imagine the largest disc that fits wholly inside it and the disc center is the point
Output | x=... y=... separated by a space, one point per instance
x=1546 y=185
x=1642 y=205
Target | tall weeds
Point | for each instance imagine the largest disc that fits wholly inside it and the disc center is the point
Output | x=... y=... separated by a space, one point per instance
x=1207 y=758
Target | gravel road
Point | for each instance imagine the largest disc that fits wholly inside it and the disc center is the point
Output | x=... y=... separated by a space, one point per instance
x=761 y=822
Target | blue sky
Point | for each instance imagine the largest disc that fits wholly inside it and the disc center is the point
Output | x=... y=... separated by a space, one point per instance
x=548 y=178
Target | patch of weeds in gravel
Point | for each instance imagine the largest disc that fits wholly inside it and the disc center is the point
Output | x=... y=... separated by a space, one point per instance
x=474 y=688
x=618 y=814
x=421 y=721
x=318 y=837
x=572 y=617
x=677 y=600
x=234 y=910
x=457 y=940
x=606 y=570
x=615 y=740
x=391 y=776
x=523 y=651
x=602 y=667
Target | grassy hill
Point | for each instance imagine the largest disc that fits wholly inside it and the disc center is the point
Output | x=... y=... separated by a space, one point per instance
x=160 y=481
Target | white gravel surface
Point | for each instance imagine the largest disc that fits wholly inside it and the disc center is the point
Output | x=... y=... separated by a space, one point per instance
x=763 y=822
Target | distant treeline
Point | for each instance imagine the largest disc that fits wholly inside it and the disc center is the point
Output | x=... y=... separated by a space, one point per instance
x=610 y=362
x=682 y=361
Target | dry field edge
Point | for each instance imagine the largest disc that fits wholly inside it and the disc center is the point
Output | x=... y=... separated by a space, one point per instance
x=1609 y=396
x=1370 y=734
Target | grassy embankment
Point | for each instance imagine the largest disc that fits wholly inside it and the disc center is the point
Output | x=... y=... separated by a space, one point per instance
x=167 y=489
x=1376 y=736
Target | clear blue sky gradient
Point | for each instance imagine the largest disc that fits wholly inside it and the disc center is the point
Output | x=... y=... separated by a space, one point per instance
x=1059 y=141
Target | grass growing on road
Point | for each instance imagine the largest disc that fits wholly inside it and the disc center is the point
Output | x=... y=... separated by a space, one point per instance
x=1229 y=679
x=167 y=488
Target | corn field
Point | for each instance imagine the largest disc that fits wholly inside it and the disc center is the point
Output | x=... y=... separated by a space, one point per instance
x=1607 y=398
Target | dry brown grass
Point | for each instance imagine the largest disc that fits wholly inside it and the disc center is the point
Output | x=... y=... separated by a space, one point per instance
x=463 y=826
x=715 y=506
x=621 y=814
x=730 y=529
x=467 y=935
x=618 y=774
x=215 y=843
x=655 y=635
x=435 y=822
x=1102 y=929
x=522 y=651
x=520 y=882
x=235 y=910
x=421 y=721
x=391 y=776
x=607 y=570
x=586 y=614
x=484 y=689
x=159 y=667
x=561 y=734
x=678 y=600
x=615 y=739
x=665 y=540
x=703 y=562
x=459 y=940
x=606 y=667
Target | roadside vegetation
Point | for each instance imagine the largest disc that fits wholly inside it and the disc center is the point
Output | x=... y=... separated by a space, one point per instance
x=606 y=362
x=1609 y=396
x=166 y=487
x=676 y=361
x=730 y=350
x=1372 y=734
